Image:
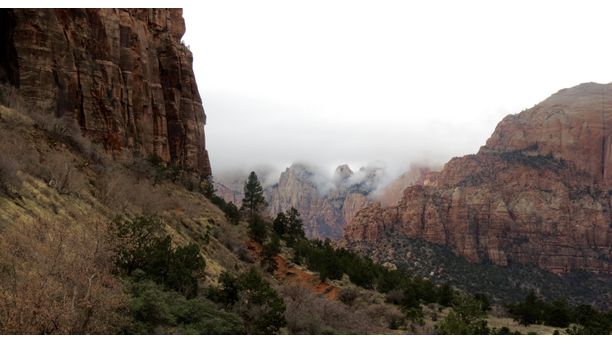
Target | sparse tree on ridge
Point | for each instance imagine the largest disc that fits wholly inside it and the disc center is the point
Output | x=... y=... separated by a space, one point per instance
x=253 y=199
x=295 y=226
x=280 y=224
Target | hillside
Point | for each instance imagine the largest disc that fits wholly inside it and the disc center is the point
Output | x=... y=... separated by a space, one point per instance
x=110 y=222
x=60 y=194
x=59 y=201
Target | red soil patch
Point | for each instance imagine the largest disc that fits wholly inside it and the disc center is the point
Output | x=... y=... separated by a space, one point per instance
x=291 y=273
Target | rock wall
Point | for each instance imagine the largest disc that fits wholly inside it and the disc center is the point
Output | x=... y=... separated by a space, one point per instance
x=325 y=205
x=123 y=75
x=537 y=193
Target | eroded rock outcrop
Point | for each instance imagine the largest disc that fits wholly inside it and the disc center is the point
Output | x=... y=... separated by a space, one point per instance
x=326 y=205
x=123 y=75
x=537 y=193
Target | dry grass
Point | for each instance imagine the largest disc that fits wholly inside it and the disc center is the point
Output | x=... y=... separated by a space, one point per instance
x=500 y=322
x=311 y=313
x=56 y=279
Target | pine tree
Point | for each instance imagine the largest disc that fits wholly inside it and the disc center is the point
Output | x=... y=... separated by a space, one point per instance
x=295 y=227
x=257 y=229
x=269 y=252
x=280 y=224
x=253 y=194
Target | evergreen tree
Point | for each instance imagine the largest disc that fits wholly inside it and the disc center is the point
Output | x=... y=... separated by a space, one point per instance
x=257 y=229
x=280 y=224
x=557 y=314
x=142 y=245
x=253 y=199
x=232 y=213
x=253 y=299
x=271 y=250
x=527 y=312
x=445 y=295
x=295 y=227
x=262 y=309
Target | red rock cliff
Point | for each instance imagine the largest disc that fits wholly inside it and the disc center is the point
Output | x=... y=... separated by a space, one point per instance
x=123 y=75
x=537 y=193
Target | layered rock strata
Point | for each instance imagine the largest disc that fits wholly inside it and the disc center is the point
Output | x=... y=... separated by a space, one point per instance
x=538 y=193
x=122 y=74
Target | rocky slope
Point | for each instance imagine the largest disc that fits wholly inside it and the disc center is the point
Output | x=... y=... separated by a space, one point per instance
x=326 y=205
x=537 y=193
x=123 y=75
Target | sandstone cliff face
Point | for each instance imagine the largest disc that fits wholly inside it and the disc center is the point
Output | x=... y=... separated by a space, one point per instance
x=326 y=206
x=537 y=193
x=392 y=193
x=123 y=75
x=230 y=192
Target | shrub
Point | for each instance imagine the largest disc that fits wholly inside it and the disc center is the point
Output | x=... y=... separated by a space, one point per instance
x=251 y=297
x=259 y=305
x=64 y=286
x=156 y=311
x=60 y=174
x=227 y=291
x=269 y=252
x=142 y=245
x=257 y=229
x=311 y=313
x=559 y=314
x=232 y=213
x=395 y=296
x=528 y=312
x=466 y=317
x=445 y=295
x=348 y=296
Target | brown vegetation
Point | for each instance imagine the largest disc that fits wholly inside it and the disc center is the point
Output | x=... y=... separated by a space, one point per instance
x=56 y=279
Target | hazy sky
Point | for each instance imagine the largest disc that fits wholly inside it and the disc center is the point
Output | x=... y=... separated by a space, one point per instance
x=334 y=82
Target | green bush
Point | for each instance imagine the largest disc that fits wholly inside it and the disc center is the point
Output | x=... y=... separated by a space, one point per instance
x=279 y=225
x=269 y=252
x=227 y=291
x=257 y=229
x=156 y=311
x=559 y=313
x=251 y=297
x=232 y=213
x=141 y=244
x=466 y=317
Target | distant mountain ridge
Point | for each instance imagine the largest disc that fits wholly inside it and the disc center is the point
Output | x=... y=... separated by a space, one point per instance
x=327 y=204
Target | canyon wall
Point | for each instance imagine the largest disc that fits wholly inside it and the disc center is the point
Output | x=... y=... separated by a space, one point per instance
x=538 y=193
x=123 y=75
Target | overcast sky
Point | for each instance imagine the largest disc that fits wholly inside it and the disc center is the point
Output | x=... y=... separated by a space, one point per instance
x=333 y=82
